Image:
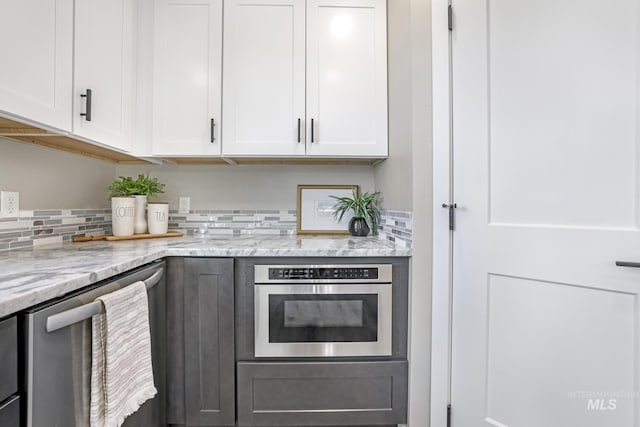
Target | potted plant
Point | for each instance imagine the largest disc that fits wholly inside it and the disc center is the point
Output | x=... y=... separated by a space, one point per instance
x=145 y=186
x=366 y=214
x=140 y=189
x=122 y=206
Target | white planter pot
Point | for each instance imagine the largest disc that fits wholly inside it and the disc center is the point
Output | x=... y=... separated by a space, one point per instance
x=140 y=223
x=158 y=217
x=122 y=215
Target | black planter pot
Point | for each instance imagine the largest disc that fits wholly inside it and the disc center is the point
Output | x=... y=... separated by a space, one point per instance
x=358 y=227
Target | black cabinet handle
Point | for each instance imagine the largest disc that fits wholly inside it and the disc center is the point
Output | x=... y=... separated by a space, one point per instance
x=87 y=115
x=213 y=131
x=299 y=122
x=628 y=264
x=312 y=131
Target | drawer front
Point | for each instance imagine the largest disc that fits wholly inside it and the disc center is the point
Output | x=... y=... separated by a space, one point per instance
x=9 y=358
x=322 y=393
x=10 y=413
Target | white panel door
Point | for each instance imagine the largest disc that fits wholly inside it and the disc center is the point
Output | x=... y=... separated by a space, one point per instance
x=546 y=328
x=187 y=77
x=104 y=64
x=347 y=78
x=37 y=59
x=263 y=85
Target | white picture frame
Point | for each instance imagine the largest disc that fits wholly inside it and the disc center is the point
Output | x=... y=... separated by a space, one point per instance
x=316 y=209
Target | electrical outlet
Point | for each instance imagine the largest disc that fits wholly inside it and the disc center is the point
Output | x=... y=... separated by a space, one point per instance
x=9 y=204
x=185 y=205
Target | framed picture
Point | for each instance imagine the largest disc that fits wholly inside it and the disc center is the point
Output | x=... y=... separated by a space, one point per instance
x=316 y=212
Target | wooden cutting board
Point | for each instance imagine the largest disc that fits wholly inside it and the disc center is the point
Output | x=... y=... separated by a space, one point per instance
x=144 y=236
x=76 y=239
x=134 y=237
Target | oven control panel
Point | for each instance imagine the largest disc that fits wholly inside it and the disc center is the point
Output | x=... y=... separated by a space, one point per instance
x=378 y=273
x=322 y=273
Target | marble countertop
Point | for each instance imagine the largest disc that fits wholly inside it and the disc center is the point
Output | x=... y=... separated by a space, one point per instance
x=29 y=277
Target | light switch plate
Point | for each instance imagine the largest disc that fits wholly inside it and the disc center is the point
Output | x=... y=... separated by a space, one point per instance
x=9 y=204
x=184 y=205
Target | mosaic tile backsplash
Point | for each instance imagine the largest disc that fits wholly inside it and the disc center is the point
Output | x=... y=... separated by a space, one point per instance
x=397 y=227
x=39 y=227
x=234 y=222
x=35 y=228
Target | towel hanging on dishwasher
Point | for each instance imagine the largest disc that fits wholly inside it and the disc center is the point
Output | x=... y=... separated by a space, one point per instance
x=121 y=368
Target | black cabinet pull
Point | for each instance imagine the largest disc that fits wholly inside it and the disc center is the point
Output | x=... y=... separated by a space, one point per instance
x=213 y=131
x=312 y=131
x=87 y=115
x=628 y=264
x=299 y=122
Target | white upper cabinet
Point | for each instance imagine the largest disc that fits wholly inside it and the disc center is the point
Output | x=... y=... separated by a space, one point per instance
x=305 y=77
x=187 y=78
x=37 y=57
x=264 y=78
x=346 y=78
x=104 y=79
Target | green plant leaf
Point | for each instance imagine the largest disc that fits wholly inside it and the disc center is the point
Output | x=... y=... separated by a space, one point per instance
x=142 y=185
x=363 y=206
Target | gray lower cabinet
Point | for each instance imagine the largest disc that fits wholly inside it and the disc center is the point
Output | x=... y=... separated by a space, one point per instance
x=201 y=374
x=322 y=393
x=9 y=400
x=8 y=358
x=10 y=412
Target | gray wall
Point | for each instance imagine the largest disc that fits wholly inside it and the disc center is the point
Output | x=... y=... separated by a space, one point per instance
x=421 y=271
x=247 y=187
x=51 y=179
x=393 y=176
x=406 y=178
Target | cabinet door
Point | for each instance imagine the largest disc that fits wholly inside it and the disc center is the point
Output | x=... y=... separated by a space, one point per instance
x=264 y=81
x=10 y=412
x=347 y=78
x=187 y=77
x=37 y=59
x=104 y=64
x=209 y=342
x=322 y=393
x=9 y=358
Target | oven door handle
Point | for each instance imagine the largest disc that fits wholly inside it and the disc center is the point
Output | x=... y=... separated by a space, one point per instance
x=87 y=311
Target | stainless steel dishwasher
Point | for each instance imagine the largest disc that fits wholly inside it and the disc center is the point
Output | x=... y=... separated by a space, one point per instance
x=57 y=354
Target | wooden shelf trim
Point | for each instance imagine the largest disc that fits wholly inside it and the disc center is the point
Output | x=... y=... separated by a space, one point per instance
x=300 y=161
x=30 y=134
x=23 y=132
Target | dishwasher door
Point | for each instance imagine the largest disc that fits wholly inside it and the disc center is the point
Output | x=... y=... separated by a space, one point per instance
x=57 y=368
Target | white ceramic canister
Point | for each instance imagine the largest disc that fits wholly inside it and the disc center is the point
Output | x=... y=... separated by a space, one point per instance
x=140 y=223
x=158 y=217
x=123 y=215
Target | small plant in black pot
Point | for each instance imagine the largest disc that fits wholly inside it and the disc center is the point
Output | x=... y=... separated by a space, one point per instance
x=366 y=214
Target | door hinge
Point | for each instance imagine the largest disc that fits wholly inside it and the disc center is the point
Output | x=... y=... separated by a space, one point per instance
x=450 y=17
x=452 y=215
x=449 y=415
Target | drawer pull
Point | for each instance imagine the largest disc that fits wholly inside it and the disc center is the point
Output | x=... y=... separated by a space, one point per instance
x=87 y=311
x=213 y=131
x=628 y=264
x=87 y=113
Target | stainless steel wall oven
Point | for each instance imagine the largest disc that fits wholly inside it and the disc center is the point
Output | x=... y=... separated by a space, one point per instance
x=323 y=310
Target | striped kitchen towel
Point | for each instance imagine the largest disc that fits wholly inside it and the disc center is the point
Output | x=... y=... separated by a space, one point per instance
x=121 y=370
